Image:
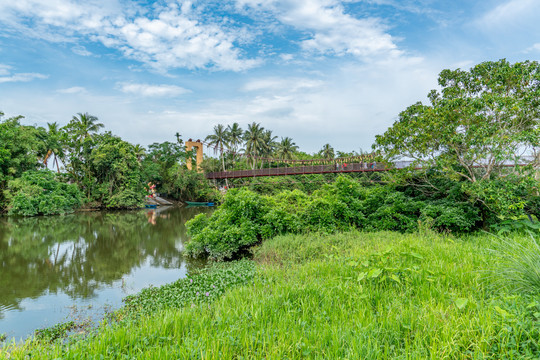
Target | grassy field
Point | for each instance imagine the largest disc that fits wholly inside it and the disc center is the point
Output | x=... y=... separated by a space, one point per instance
x=346 y=296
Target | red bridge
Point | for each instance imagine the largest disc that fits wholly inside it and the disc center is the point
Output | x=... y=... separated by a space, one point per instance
x=308 y=169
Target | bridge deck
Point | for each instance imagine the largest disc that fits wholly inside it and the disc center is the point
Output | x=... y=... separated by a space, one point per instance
x=303 y=170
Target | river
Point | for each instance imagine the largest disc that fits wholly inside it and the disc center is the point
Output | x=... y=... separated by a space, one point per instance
x=80 y=266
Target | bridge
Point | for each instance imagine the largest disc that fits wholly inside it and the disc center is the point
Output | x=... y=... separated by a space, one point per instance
x=339 y=166
x=334 y=167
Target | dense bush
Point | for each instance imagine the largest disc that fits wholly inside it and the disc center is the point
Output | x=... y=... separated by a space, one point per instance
x=40 y=193
x=246 y=217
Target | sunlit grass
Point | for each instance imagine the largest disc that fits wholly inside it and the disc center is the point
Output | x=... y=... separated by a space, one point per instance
x=344 y=296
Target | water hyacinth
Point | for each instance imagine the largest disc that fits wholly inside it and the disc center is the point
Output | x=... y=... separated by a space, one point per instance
x=212 y=282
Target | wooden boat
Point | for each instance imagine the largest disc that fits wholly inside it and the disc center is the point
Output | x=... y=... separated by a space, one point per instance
x=199 y=203
x=150 y=206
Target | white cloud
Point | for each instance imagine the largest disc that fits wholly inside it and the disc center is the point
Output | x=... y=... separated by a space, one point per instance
x=152 y=90
x=533 y=48
x=72 y=90
x=511 y=15
x=276 y=85
x=81 y=50
x=167 y=38
x=7 y=75
x=331 y=30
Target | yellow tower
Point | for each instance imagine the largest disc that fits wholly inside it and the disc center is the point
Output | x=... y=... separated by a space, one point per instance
x=199 y=146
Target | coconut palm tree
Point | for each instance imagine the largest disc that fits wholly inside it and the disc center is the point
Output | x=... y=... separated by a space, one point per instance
x=219 y=140
x=254 y=138
x=54 y=145
x=327 y=152
x=286 y=148
x=235 y=137
x=87 y=125
x=268 y=146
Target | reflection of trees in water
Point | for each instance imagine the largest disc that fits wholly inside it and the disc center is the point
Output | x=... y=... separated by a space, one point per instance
x=77 y=254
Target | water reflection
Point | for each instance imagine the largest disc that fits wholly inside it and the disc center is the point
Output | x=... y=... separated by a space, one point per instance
x=81 y=254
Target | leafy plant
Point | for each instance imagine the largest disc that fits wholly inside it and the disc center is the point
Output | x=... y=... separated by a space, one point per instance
x=55 y=332
x=202 y=287
x=40 y=193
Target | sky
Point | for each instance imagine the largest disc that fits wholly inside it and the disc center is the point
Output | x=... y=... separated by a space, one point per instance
x=318 y=71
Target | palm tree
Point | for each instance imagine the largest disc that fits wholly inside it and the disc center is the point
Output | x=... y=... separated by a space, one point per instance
x=87 y=125
x=286 y=148
x=140 y=151
x=235 y=137
x=254 y=138
x=269 y=145
x=54 y=145
x=219 y=140
x=327 y=152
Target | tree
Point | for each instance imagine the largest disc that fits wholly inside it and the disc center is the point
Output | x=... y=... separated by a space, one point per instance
x=116 y=173
x=482 y=119
x=268 y=145
x=254 y=138
x=79 y=143
x=286 y=148
x=218 y=140
x=20 y=148
x=327 y=152
x=235 y=138
x=54 y=144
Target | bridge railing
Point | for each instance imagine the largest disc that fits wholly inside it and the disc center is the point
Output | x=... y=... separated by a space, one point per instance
x=300 y=170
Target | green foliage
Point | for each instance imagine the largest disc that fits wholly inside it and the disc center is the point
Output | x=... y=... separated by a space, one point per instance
x=246 y=218
x=161 y=157
x=40 y=193
x=482 y=121
x=53 y=333
x=20 y=148
x=116 y=180
x=236 y=224
x=190 y=185
x=454 y=216
x=343 y=296
x=504 y=197
x=517 y=264
x=202 y=287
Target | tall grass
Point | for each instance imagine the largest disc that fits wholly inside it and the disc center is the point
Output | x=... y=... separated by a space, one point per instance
x=343 y=296
x=517 y=264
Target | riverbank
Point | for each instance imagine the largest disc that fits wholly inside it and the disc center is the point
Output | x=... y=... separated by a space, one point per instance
x=350 y=295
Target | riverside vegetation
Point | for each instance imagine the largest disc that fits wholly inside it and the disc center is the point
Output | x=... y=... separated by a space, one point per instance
x=381 y=266
x=346 y=295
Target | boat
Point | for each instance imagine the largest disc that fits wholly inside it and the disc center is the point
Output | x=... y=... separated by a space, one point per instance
x=150 y=206
x=199 y=203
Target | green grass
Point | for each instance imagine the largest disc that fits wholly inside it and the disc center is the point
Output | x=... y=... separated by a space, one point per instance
x=344 y=296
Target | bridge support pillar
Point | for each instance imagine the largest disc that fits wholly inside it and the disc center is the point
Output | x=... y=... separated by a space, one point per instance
x=199 y=147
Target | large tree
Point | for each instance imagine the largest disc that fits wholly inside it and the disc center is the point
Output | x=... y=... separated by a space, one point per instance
x=477 y=129
x=481 y=119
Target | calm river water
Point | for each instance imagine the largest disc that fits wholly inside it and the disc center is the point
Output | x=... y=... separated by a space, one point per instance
x=60 y=268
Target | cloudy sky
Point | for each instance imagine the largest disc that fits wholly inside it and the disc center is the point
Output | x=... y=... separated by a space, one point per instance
x=319 y=71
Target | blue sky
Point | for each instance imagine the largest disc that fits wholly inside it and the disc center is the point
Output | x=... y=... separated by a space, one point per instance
x=319 y=71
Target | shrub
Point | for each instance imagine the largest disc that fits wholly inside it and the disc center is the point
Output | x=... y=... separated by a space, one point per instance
x=245 y=218
x=457 y=217
x=40 y=193
x=235 y=225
